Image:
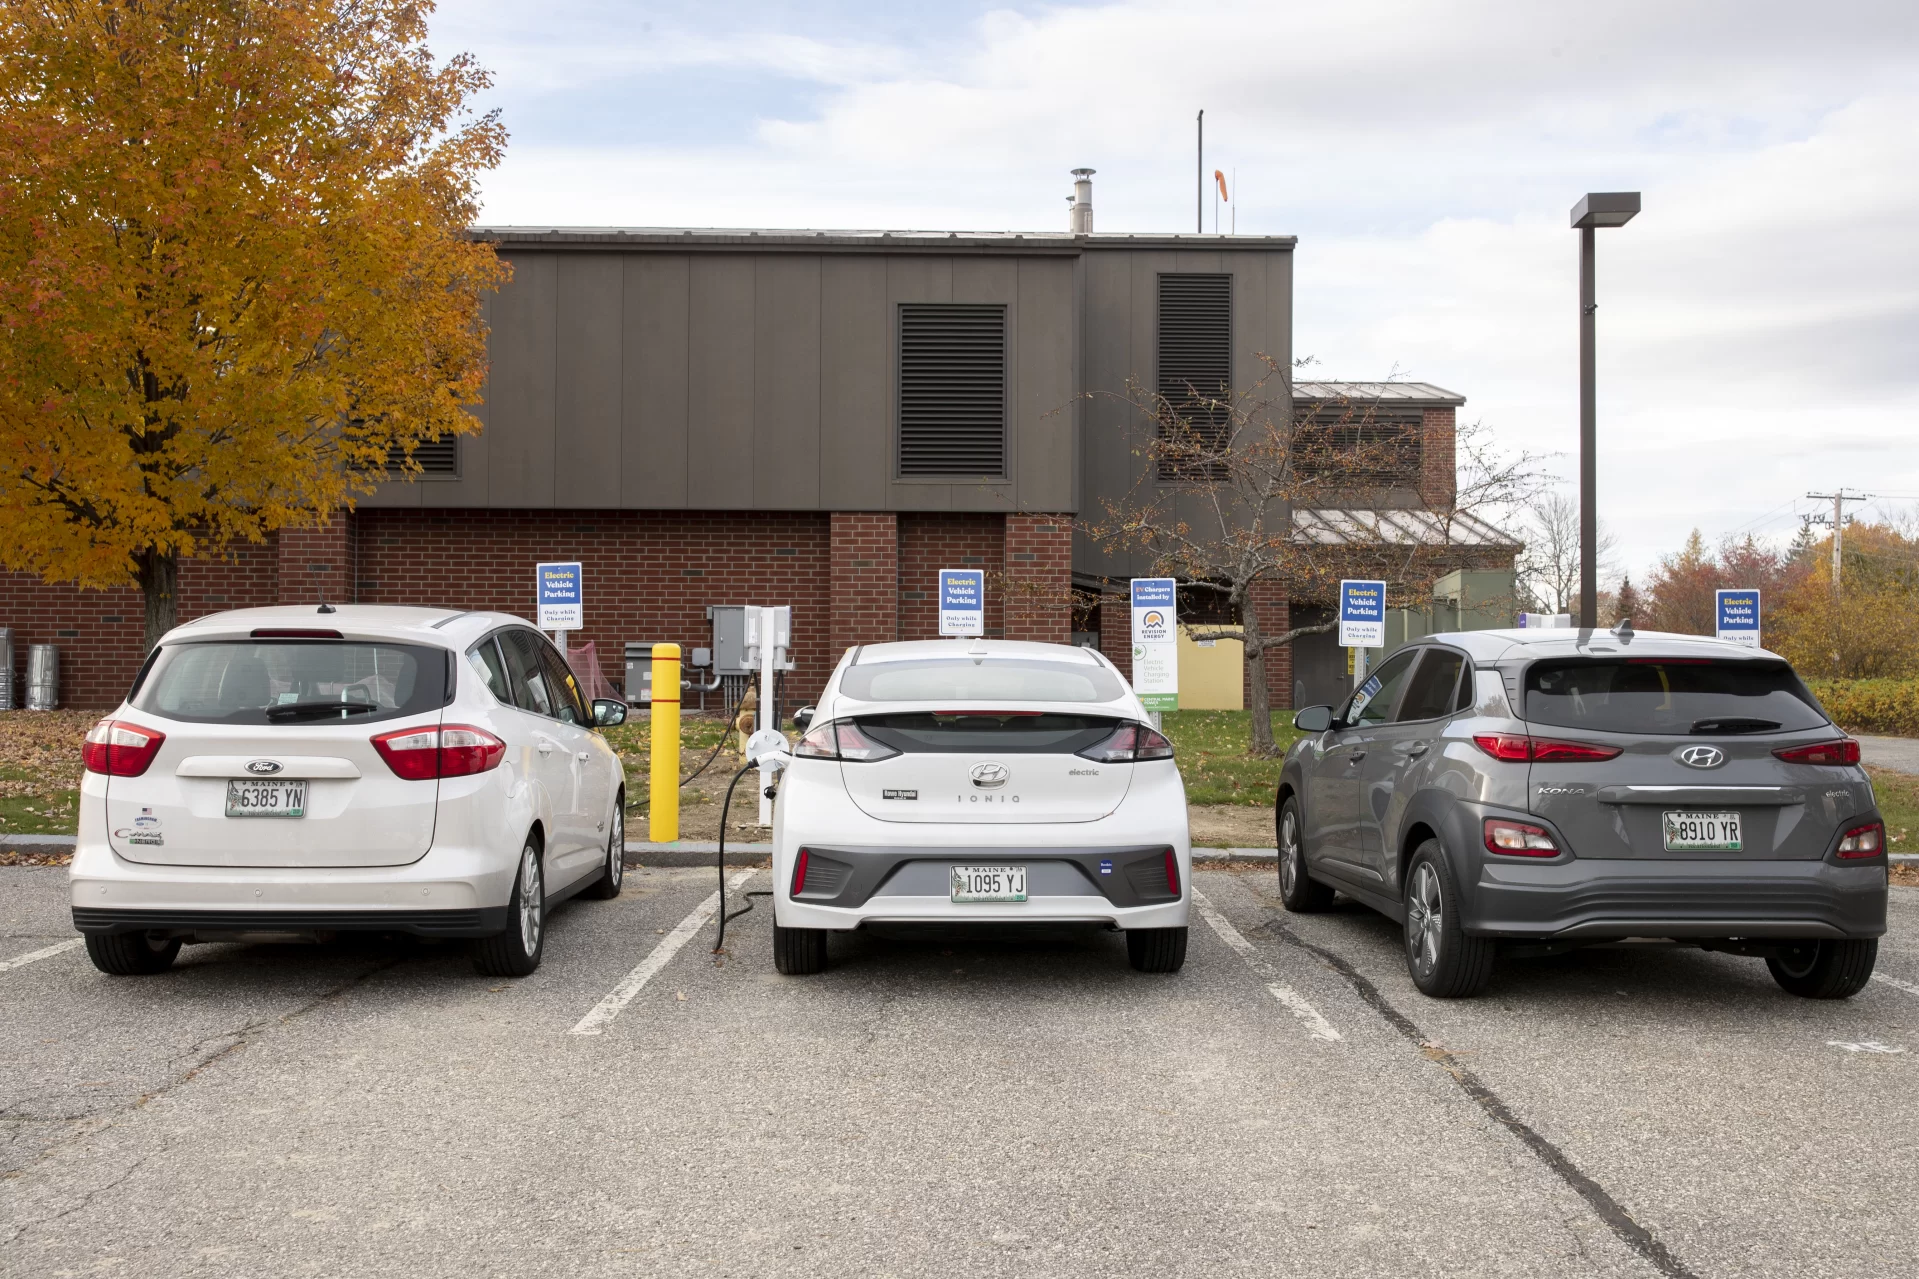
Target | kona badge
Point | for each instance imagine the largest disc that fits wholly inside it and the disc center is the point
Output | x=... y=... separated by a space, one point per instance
x=989 y=776
x=263 y=767
x=1700 y=756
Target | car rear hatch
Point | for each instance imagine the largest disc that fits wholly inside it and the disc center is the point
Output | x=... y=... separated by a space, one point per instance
x=246 y=740
x=1674 y=758
x=986 y=766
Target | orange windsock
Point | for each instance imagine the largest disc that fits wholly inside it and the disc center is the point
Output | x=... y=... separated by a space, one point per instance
x=1220 y=178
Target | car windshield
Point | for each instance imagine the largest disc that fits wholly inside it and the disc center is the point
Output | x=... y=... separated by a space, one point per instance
x=292 y=681
x=1008 y=680
x=1670 y=695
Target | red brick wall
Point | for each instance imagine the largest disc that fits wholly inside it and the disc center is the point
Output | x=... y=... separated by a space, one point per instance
x=648 y=575
x=1438 y=457
x=1116 y=632
x=316 y=564
x=865 y=579
x=100 y=633
x=1038 y=581
x=1271 y=601
x=929 y=543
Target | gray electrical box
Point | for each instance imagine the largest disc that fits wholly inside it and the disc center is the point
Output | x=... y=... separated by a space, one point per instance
x=639 y=673
x=729 y=638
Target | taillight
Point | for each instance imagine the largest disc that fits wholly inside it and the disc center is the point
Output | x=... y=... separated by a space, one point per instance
x=1519 y=839
x=1868 y=840
x=818 y=742
x=1127 y=743
x=841 y=739
x=421 y=754
x=1172 y=872
x=799 y=873
x=1843 y=751
x=119 y=749
x=1515 y=748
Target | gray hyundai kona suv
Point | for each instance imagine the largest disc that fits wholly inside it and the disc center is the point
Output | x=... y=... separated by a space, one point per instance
x=1534 y=791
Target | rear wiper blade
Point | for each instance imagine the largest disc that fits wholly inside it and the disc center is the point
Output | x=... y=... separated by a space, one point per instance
x=290 y=709
x=1734 y=724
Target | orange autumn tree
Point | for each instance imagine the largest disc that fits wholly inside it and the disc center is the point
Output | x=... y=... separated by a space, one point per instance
x=234 y=272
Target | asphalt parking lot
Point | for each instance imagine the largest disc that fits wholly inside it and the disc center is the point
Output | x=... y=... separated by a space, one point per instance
x=1287 y=1104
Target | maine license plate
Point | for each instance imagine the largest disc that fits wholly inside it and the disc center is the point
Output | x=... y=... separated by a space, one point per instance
x=1702 y=832
x=989 y=883
x=266 y=799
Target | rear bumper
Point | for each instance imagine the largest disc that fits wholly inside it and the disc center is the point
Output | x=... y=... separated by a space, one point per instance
x=480 y=922
x=1599 y=899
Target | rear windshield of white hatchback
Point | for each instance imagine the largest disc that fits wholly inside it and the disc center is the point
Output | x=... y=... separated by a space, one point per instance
x=993 y=679
x=292 y=681
x=1670 y=695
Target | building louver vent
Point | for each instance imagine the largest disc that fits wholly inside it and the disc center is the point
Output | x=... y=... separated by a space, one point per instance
x=436 y=457
x=1196 y=365
x=952 y=389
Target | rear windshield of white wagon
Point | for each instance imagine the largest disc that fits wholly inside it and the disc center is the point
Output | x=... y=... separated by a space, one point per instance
x=292 y=681
x=962 y=679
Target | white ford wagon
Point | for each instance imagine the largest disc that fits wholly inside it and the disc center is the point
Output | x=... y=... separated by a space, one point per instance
x=302 y=771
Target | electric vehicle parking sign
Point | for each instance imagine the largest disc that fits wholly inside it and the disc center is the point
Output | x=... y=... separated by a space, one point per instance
x=962 y=601
x=1155 y=643
x=1738 y=614
x=1362 y=614
x=562 y=598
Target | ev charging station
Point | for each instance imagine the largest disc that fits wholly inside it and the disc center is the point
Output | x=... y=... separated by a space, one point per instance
x=769 y=634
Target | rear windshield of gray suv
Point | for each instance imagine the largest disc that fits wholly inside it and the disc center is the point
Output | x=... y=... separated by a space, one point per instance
x=292 y=681
x=1669 y=695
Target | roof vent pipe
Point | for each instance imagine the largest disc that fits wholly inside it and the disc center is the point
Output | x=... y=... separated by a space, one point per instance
x=1083 y=201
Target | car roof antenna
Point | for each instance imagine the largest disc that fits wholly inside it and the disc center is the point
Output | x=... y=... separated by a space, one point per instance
x=977 y=651
x=324 y=606
x=1624 y=630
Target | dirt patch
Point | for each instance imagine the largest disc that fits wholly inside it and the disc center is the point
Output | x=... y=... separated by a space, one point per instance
x=40 y=750
x=1905 y=875
x=1231 y=826
x=701 y=798
x=35 y=857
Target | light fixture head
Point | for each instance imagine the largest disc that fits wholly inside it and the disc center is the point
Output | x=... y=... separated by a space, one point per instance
x=1605 y=208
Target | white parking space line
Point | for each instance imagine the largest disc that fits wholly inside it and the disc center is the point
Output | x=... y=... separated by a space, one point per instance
x=1316 y=1025
x=34 y=956
x=1911 y=988
x=634 y=982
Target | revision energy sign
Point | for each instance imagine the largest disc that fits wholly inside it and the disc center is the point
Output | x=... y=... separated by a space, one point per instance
x=1738 y=616
x=962 y=601
x=1362 y=614
x=562 y=597
x=1155 y=644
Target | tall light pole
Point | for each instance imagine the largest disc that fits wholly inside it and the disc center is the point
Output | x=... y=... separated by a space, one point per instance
x=1594 y=210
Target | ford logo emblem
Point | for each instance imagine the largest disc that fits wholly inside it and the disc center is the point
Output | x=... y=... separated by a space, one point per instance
x=262 y=767
x=989 y=776
x=1700 y=756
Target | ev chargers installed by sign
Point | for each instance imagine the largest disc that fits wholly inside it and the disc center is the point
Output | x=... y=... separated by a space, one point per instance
x=1362 y=614
x=962 y=601
x=562 y=597
x=1155 y=643
x=1738 y=616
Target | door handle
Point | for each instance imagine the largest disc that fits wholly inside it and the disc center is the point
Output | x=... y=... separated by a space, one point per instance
x=1417 y=749
x=1356 y=756
x=581 y=755
x=545 y=747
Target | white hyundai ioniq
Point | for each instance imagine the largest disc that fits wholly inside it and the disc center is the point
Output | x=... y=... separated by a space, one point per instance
x=297 y=771
x=979 y=782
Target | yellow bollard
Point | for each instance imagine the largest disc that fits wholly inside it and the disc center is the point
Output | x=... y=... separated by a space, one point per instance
x=663 y=810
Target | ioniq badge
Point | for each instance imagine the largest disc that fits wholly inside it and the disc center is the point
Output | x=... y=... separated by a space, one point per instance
x=262 y=767
x=989 y=776
x=1700 y=756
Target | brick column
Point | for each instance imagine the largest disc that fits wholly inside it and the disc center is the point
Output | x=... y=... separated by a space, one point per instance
x=1270 y=598
x=864 y=567
x=316 y=562
x=1438 y=458
x=1038 y=584
x=1116 y=631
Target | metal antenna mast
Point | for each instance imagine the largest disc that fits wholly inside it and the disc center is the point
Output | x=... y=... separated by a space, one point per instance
x=1199 y=180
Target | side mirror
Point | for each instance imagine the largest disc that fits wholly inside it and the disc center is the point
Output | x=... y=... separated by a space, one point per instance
x=608 y=711
x=803 y=717
x=1314 y=719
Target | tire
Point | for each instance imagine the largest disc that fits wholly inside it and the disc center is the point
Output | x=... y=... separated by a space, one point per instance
x=1444 y=962
x=798 y=952
x=515 y=951
x=1298 y=892
x=1156 y=950
x=613 y=873
x=1825 y=969
x=131 y=954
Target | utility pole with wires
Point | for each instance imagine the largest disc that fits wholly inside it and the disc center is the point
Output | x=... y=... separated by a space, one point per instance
x=1838 y=522
x=1199 y=179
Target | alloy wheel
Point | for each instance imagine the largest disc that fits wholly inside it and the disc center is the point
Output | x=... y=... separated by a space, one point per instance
x=532 y=898
x=616 y=847
x=1288 y=853
x=1425 y=918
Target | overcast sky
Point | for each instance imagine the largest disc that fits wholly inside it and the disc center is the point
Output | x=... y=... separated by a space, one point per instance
x=1759 y=321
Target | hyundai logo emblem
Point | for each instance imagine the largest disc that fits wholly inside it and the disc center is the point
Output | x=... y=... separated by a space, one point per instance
x=989 y=776
x=262 y=767
x=1700 y=756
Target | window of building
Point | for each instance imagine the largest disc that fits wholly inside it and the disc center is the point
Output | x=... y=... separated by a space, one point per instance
x=1195 y=369
x=1358 y=446
x=952 y=390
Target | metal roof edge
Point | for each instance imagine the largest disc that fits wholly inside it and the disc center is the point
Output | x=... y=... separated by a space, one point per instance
x=656 y=239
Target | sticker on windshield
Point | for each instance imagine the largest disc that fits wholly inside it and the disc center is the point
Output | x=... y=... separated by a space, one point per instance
x=1366 y=693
